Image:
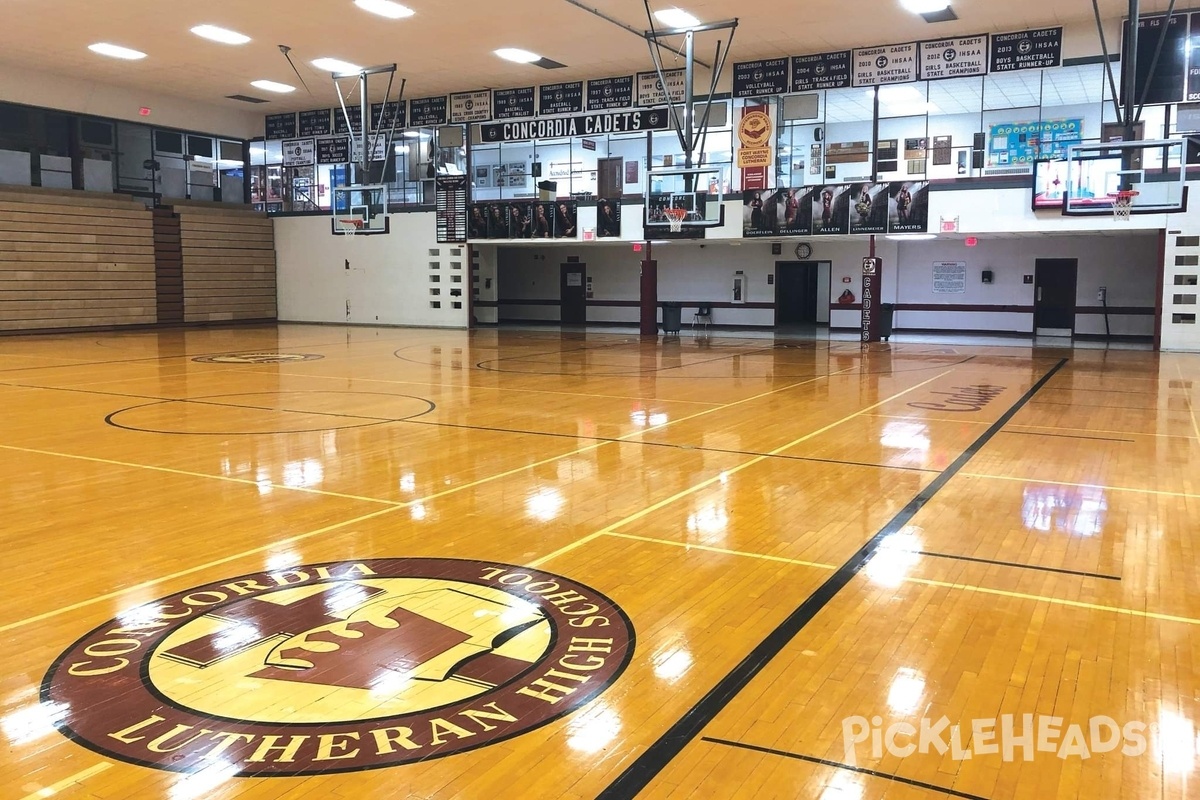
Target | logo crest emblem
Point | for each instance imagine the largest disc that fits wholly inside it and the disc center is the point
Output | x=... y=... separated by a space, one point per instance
x=339 y=666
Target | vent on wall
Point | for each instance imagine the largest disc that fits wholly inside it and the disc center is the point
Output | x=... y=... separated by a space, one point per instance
x=246 y=98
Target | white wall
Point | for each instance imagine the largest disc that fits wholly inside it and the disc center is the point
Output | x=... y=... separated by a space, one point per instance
x=485 y=283
x=77 y=93
x=389 y=277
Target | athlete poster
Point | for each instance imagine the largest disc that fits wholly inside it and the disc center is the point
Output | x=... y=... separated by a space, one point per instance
x=497 y=220
x=608 y=218
x=831 y=210
x=778 y=212
x=908 y=207
x=566 y=219
x=868 y=208
x=477 y=227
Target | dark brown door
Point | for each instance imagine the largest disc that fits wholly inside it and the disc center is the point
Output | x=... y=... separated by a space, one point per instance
x=572 y=294
x=609 y=172
x=795 y=292
x=1054 y=293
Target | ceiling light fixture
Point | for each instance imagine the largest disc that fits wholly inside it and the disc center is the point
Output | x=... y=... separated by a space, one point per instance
x=221 y=35
x=116 y=51
x=272 y=86
x=385 y=8
x=336 y=65
x=676 y=18
x=924 y=6
x=517 y=55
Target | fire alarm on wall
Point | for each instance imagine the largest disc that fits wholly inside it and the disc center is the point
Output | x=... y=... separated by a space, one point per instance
x=144 y=111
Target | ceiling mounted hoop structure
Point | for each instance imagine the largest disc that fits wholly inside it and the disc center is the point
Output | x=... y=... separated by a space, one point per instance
x=369 y=133
x=691 y=138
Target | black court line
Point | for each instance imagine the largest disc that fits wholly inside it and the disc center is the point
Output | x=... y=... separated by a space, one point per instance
x=1070 y=436
x=644 y=443
x=655 y=758
x=1014 y=564
x=838 y=765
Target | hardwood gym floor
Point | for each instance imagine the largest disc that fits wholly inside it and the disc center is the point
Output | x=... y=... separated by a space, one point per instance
x=269 y=575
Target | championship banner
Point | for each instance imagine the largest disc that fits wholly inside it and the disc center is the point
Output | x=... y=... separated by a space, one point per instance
x=339 y=120
x=471 y=106
x=281 y=126
x=821 y=71
x=754 y=154
x=650 y=89
x=513 y=103
x=760 y=78
x=314 y=123
x=584 y=125
x=954 y=58
x=1036 y=49
x=560 y=98
x=880 y=66
x=427 y=111
x=608 y=93
x=299 y=152
x=334 y=150
x=382 y=119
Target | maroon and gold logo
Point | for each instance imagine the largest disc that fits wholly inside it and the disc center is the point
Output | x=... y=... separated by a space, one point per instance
x=339 y=666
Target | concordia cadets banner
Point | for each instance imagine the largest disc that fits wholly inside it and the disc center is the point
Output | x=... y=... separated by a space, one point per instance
x=879 y=66
x=471 y=106
x=954 y=58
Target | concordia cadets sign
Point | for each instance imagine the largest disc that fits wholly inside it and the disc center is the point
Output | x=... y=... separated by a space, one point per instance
x=954 y=58
x=339 y=666
x=879 y=66
x=584 y=125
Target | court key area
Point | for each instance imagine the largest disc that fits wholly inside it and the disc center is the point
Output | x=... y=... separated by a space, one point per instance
x=316 y=561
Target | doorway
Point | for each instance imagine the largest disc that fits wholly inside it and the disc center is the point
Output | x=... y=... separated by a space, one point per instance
x=573 y=294
x=1054 y=296
x=796 y=292
x=609 y=173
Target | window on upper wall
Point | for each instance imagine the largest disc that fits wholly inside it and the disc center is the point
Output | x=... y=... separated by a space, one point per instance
x=1012 y=112
x=955 y=106
x=903 y=144
x=799 y=147
x=849 y=115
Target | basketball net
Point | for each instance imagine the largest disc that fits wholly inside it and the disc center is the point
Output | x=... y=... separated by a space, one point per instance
x=675 y=218
x=349 y=227
x=1123 y=204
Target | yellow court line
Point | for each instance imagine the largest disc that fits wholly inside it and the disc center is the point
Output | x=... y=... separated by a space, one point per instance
x=1188 y=401
x=78 y=777
x=1077 y=485
x=723 y=551
x=723 y=474
x=199 y=567
x=1105 y=430
x=372 y=515
x=1058 y=601
x=244 y=481
x=931 y=419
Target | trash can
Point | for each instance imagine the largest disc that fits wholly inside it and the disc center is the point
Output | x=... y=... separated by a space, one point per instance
x=887 y=312
x=672 y=314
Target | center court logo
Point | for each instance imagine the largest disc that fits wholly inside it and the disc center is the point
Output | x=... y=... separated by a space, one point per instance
x=339 y=666
x=258 y=358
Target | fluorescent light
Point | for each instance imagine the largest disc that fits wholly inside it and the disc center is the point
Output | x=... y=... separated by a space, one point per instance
x=924 y=6
x=336 y=65
x=116 y=51
x=272 y=86
x=518 y=55
x=912 y=237
x=220 y=34
x=676 y=18
x=385 y=8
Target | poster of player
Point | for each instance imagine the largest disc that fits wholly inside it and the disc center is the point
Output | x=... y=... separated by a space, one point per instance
x=775 y=213
x=608 y=218
x=541 y=222
x=520 y=221
x=868 y=207
x=831 y=210
x=497 y=222
x=566 y=220
x=908 y=207
x=477 y=227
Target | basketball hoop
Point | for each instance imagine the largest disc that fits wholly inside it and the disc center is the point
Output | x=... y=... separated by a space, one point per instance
x=349 y=227
x=675 y=218
x=1123 y=204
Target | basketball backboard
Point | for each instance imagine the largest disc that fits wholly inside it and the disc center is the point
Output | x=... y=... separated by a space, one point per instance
x=360 y=210
x=698 y=190
x=1092 y=175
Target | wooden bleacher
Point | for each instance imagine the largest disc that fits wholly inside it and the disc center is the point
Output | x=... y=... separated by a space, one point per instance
x=228 y=264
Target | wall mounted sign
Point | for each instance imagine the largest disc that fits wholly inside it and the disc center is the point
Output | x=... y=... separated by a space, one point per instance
x=299 y=152
x=954 y=58
x=1036 y=49
x=561 y=98
x=609 y=93
x=382 y=119
x=471 y=106
x=949 y=277
x=427 y=111
x=650 y=89
x=513 y=103
x=880 y=66
x=354 y=112
x=315 y=123
x=281 y=126
x=760 y=78
x=821 y=71
x=583 y=125
x=333 y=150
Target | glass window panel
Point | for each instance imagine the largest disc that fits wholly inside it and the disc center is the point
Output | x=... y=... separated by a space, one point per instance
x=1012 y=90
x=847 y=135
